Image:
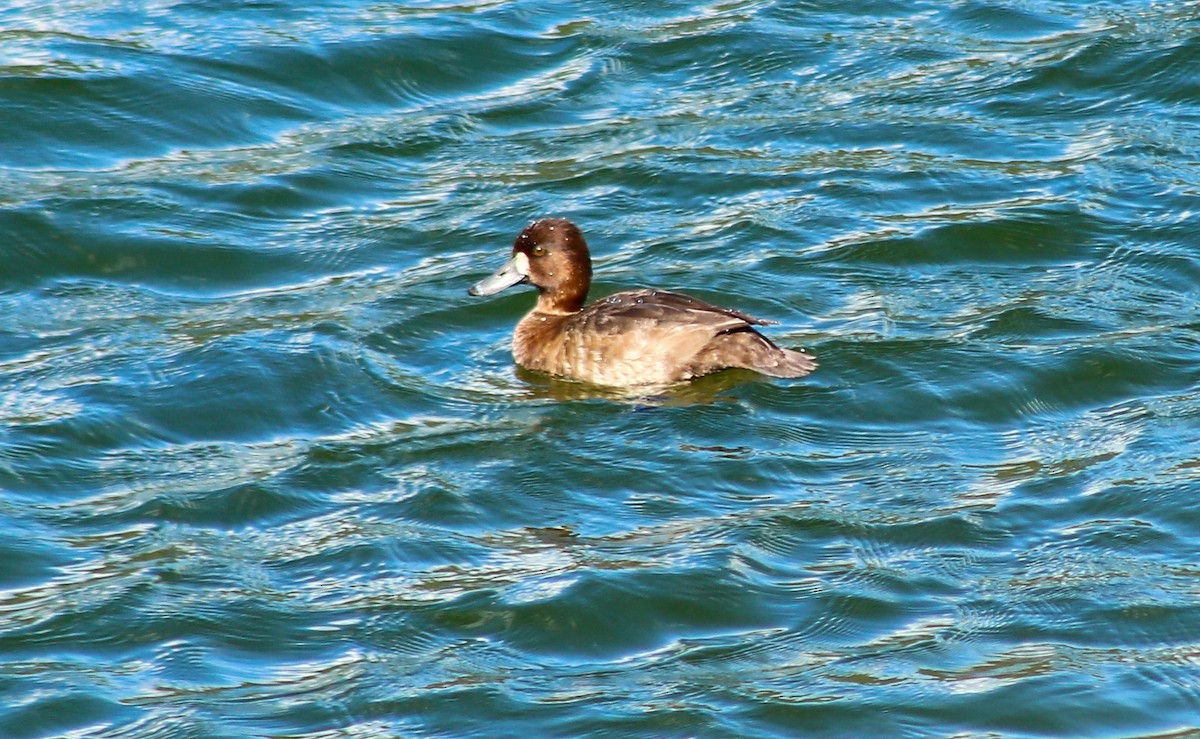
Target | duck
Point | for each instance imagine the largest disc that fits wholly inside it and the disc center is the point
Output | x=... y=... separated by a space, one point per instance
x=633 y=338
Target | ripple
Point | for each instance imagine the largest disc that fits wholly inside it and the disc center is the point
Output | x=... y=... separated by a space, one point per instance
x=263 y=462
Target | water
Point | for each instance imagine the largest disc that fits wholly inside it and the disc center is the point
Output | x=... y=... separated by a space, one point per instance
x=266 y=470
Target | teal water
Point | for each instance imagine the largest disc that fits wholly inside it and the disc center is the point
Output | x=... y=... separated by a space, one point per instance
x=267 y=471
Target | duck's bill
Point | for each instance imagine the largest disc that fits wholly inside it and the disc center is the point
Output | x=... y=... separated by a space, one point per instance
x=512 y=273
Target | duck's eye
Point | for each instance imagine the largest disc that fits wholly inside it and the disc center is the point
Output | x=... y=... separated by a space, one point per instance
x=538 y=250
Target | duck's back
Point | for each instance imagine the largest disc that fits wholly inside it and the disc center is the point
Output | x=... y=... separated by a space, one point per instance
x=647 y=337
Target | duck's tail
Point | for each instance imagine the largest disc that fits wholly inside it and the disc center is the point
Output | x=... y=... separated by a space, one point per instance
x=784 y=363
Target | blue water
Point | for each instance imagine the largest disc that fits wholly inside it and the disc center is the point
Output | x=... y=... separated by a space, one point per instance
x=267 y=471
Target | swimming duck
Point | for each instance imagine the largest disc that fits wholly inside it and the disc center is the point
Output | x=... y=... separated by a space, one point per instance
x=636 y=337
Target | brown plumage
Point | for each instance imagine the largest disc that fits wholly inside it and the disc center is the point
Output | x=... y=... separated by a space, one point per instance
x=637 y=337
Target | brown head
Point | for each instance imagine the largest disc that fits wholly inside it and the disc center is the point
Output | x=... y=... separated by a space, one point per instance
x=551 y=255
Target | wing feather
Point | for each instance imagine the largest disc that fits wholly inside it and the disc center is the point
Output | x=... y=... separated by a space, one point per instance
x=665 y=307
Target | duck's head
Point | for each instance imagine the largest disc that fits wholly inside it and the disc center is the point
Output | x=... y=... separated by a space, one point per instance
x=551 y=255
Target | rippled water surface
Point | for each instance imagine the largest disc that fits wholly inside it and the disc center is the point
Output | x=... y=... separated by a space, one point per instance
x=267 y=471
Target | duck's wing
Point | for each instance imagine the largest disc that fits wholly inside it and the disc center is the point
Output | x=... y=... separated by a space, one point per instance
x=666 y=307
x=687 y=336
